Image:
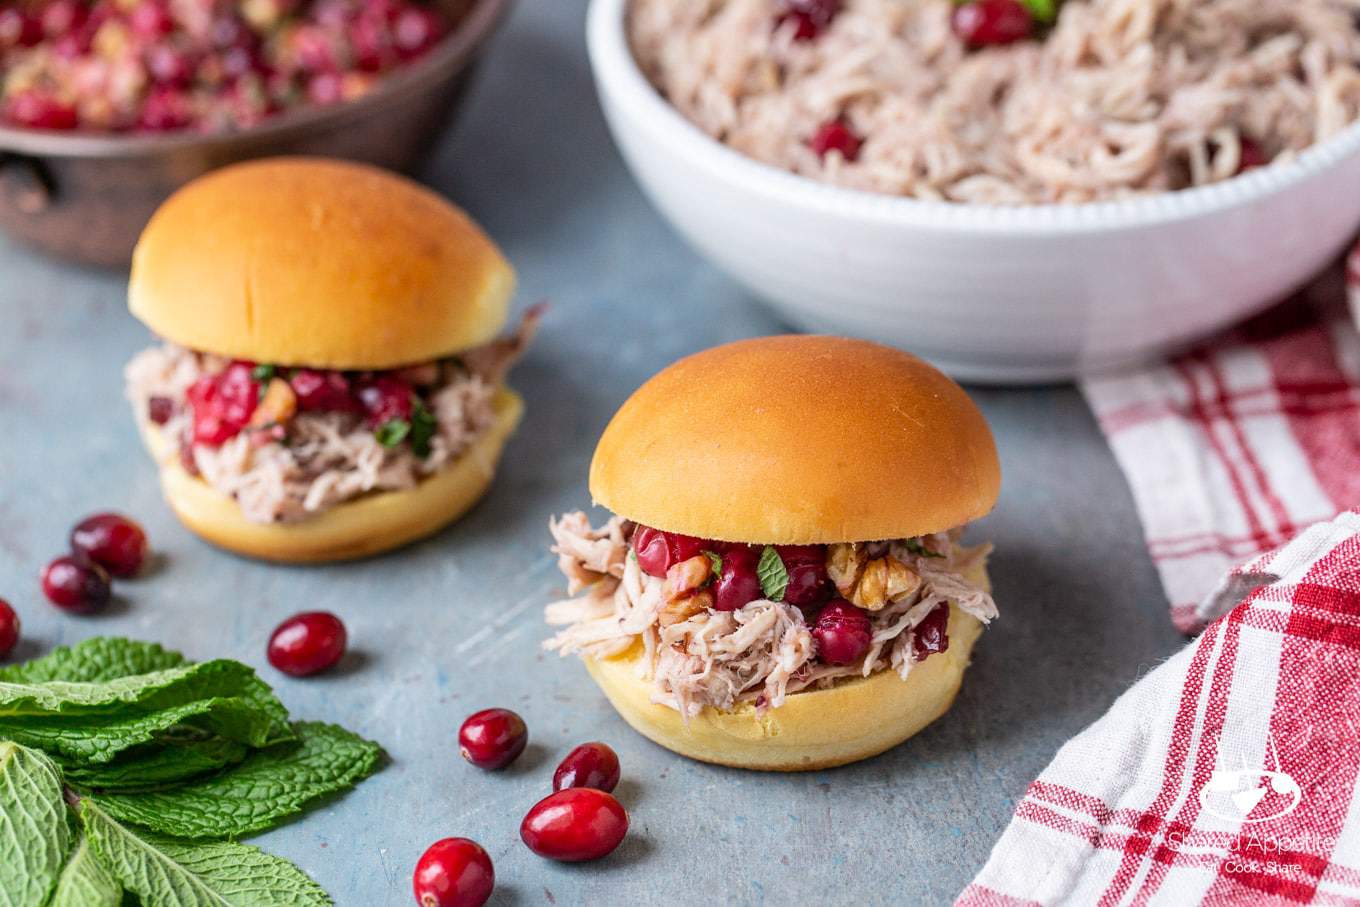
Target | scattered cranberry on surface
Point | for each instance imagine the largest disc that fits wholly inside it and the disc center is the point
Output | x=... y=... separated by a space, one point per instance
x=9 y=628
x=112 y=541
x=836 y=136
x=809 y=584
x=454 y=872
x=658 y=551
x=931 y=635
x=307 y=643
x=593 y=765
x=75 y=585
x=738 y=583
x=980 y=23
x=575 y=824
x=811 y=17
x=492 y=738
x=842 y=632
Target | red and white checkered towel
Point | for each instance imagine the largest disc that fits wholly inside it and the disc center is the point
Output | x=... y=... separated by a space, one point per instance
x=1234 y=447
x=1228 y=774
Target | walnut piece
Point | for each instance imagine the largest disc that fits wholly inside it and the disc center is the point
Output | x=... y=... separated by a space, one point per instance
x=684 y=606
x=869 y=582
x=277 y=406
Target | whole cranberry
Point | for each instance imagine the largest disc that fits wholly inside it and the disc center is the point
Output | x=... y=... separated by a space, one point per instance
x=980 y=23
x=150 y=19
x=239 y=391
x=9 y=628
x=307 y=643
x=39 y=110
x=370 y=43
x=658 y=551
x=322 y=391
x=326 y=88
x=931 y=635
x=589 y=765
x=165 y=110
x=811 y=17
x=62 y=17
x=386 y=398
x=575 y=824
x=738 y=583
x=313 y=48
x=18 y=28
x=492 y=738
x=76 y=585
x=836 y=136
x=842 y=632
x=809 y=584
x=454 y=872
x=415 y=31
x=112 y=541
x=223 y=404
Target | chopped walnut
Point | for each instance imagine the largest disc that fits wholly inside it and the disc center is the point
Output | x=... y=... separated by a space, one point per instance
x=686 y=576
x=277 y=406
x=869 y=582
x=684 y=606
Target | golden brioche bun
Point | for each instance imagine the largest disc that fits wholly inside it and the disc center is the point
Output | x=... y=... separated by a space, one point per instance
x=815 y=729
x=798 y=440
x=367 y=525
x=323 y=263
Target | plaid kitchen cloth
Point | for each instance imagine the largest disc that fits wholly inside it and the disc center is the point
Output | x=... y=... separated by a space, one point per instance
x=1235 y=446
x=1225 y=776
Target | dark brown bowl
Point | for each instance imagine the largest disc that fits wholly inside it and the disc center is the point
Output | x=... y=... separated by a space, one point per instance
x=85 y=197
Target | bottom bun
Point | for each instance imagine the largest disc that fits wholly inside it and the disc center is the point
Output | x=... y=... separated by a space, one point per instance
x=815 y=729
x=367 y=525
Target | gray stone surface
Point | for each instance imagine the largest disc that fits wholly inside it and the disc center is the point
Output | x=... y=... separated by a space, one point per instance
x=453 y=624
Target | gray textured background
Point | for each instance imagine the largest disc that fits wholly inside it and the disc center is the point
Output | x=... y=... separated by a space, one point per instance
x=453 y=625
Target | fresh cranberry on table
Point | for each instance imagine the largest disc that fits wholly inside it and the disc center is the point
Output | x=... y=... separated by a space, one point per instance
x=658 y=551
x=575 y=824
x=76 y=585
x=492 y=738
x=454 y=872
x=809 y=584
x=842 y=632
x=836 y=136
x=589 y=765
x=112 y=541
x=9 y=628
x=810 y=17
x=980 y=23
x=931 y=635
x=307 y=643
x=738 y=582
x=386 y=398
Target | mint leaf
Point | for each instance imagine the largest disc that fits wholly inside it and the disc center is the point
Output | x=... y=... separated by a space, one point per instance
x=715 y=561
x=166 y=761
x=34 y=832
x=916 y=548
x=1044 y=11
x=774 y=576
x=269 y=785
x=392 y=432
x=140 y=692
x=263 y=373
x=164 y=872
x=94 y=661
x=85 y=882
x=423 y=428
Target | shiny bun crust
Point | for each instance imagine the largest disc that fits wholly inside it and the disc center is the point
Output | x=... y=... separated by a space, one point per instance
x=303 y=261
x=798 y=440
x=359 y=528
x=849 y=721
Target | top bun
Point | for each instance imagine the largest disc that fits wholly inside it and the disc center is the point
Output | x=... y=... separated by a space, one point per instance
x=798 y=440
x=309 y=261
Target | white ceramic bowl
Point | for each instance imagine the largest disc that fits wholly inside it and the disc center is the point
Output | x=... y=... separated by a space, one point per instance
x=1003 y=294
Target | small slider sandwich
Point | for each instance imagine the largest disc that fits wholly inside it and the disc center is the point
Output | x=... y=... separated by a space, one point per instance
x=782 y=586
x=330 y=383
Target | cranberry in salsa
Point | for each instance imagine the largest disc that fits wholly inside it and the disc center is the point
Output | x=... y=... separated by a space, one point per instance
x=809 y=17
x=931 y=635
x=658 y=551
x=207 y=65
x=843 y=633
x=836 y=136
x=980 y=23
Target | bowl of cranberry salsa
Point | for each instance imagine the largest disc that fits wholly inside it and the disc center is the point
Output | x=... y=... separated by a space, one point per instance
x=108 y=106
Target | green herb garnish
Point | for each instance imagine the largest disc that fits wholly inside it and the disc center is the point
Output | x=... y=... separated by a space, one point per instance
x=716 y=562
x=125 y=768
x=392 y=432
x=774 y=576
x=916 y=548
x=263 y=373
x=423 y=428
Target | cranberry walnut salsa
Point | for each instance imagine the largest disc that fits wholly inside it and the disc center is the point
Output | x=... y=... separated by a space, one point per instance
x=722 y=624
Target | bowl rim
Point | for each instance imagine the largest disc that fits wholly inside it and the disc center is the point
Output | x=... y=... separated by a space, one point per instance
x=621 y=82
x=450 y=55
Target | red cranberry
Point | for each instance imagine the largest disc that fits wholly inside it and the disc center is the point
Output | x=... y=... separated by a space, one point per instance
x=370 y=44
x=415 y=31
x=223 y=404
x=492 y=738
x=1251 y=156
x=112 y=541
x=160 y=409
x=658 y=551
x=9 y=628
x=18 y=28
x=62 y=17
x=326 y=88
x=307 y=643
x=164 y=110
x=322 y=391
x=980 y=23
x=810 y=16
x=842 y=633
x=454 y=872
x=931 y=635
x=38 y=110
x=75 y=585
x=738 y=583
x=150 y=19
x=809 y=584
x=836 y=136
x=386 y=398
x=576 y=824
x=589 y=765
x=314 y=50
